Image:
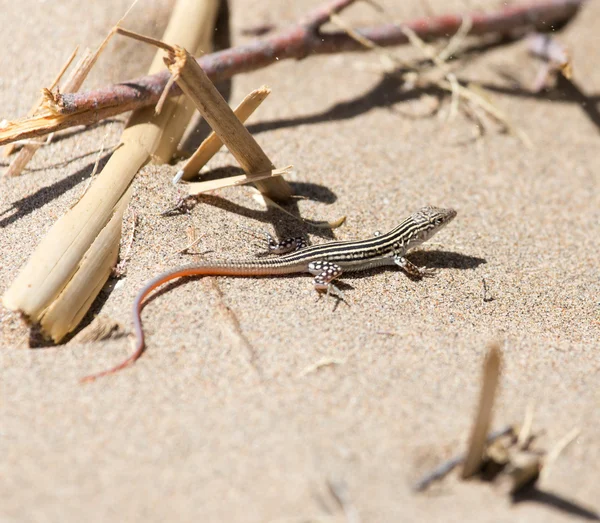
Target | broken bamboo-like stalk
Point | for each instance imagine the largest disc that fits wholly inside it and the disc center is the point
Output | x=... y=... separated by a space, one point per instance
x=198 y=36
x=211 y=145
x=61 y=275
x=195 y=83
x=61 y=317
x=483 y=418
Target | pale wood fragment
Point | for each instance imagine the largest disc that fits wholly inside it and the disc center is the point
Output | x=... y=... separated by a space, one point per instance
x=211 y=185
x=195 y=83
x=210 y=146
x=483 y=418
x=62 y=267
x=191 y=25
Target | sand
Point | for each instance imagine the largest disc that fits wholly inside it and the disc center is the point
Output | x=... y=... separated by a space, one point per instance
x=220 y=423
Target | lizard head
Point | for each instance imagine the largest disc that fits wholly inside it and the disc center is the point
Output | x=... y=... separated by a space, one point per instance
x=431 y=219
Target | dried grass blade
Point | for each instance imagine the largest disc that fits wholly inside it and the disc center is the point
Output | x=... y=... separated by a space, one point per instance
x=209 y=147
x=212 y=185
x=9 y=149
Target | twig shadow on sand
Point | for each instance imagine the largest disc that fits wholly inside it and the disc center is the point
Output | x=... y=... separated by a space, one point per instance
x=45 y=195
x=285 y=226
x=565 y=91
x=534 y=495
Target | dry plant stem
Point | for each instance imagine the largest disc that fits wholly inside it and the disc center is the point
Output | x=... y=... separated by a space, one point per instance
x=483 y=419
x=62 y=255
x=209 y=147
x=62 y=316
x=214 y=109
x=191 y=22
x=557 y=450
x=72 y=85
x=28 y=151
x=217 y=113
x=211 y=185
x=445 y=468
x=296 y=42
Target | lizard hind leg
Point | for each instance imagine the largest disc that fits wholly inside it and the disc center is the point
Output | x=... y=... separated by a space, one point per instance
x=286 y=245
x=325 y=272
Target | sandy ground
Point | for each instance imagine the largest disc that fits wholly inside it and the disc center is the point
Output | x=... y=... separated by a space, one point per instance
x=212 y=425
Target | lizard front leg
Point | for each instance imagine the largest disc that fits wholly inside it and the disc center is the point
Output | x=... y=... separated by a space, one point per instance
x=411 y=269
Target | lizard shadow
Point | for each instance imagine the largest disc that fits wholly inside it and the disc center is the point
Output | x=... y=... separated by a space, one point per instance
x=429 y=259
x=445 y=260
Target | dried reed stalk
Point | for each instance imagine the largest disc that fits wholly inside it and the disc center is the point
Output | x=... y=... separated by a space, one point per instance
x=191 y=22
x=62 y=316
x=62 y=275
x=209 y=147
x=195 y=83
x=212 y=185
x=483 y=419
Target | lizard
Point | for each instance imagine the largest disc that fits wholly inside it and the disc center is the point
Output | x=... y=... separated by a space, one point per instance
x=325 y=261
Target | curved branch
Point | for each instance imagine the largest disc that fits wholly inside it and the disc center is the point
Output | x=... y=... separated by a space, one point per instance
x=297 y=42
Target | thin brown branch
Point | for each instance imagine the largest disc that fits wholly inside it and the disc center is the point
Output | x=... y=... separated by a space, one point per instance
x=297 y=42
